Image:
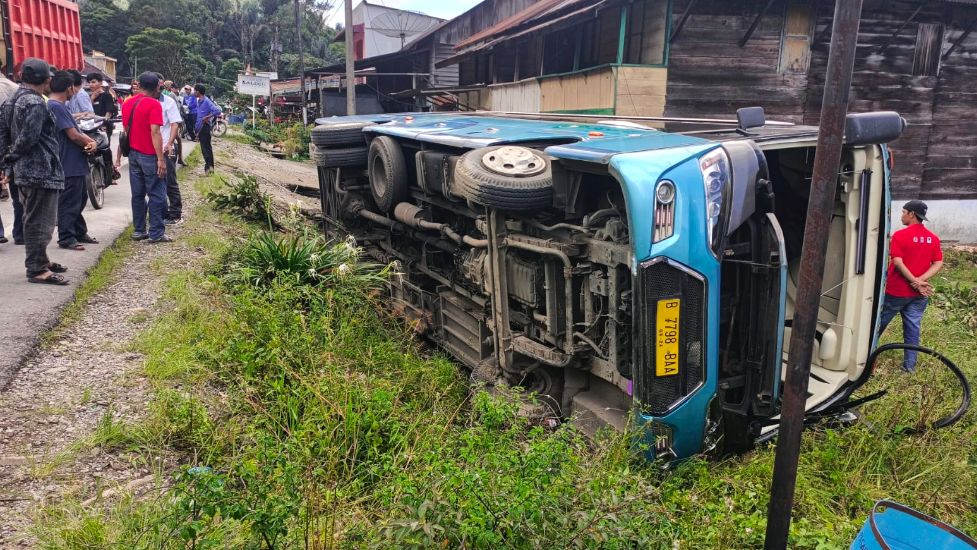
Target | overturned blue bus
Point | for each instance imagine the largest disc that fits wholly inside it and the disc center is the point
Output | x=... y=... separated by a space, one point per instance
x=621 y=269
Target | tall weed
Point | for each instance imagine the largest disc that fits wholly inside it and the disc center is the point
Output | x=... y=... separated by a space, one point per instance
x=243 y=198
x=304 y=260
x=317 y=423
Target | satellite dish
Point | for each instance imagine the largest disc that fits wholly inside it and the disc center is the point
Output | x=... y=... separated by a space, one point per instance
x=401 y=24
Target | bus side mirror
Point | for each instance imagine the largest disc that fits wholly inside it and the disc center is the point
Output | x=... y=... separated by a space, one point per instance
x=874 y=127
x=750 y=117
x=748 y=166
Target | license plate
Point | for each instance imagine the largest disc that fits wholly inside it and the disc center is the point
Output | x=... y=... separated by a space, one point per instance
x=668 y=321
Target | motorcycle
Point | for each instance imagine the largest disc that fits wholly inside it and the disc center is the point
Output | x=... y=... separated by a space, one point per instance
x=99 y=174
x=219 y=126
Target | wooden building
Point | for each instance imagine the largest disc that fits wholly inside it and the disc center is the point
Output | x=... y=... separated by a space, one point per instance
x=706 y=58
x=391 y=82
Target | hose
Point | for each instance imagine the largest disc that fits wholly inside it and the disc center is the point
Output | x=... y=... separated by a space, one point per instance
x=954 y=417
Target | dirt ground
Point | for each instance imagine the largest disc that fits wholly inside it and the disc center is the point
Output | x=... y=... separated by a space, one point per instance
x=277 y=177
x=88 y=373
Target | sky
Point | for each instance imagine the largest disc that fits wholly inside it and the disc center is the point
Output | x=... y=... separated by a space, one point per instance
x=445 y=9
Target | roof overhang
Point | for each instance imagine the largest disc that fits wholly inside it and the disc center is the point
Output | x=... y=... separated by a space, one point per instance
x=531 y=20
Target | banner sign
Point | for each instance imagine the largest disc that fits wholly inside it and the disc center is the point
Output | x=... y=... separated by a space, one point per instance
x=253 y=85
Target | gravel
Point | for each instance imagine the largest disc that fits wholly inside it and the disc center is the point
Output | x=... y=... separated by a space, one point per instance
x=59 y=398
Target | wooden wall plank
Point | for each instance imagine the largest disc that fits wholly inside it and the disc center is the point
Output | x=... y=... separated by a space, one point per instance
x=590 y=90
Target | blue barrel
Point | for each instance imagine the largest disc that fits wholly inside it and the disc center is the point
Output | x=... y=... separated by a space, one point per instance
x=237 y=119
x=893 y=526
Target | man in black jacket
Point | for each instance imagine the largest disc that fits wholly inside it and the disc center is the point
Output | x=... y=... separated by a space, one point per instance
x=28 y=138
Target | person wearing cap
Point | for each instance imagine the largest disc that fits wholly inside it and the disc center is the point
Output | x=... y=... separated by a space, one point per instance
x=169 y=89
x=28 y=138
x=915 y=257
x=147 y=163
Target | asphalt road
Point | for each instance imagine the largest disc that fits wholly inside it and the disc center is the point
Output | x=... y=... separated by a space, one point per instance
x=26 y=309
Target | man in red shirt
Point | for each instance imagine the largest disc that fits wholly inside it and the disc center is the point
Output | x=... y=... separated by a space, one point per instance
x=142 y=117
x=914 y=257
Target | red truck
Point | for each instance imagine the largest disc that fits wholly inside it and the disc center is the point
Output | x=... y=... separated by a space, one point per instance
x=48 y=29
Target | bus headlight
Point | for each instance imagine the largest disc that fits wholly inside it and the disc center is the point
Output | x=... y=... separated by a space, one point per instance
x=714 y=166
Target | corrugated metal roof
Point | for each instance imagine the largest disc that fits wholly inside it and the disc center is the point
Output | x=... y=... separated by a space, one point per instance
x=537 y=10
x=541 y=21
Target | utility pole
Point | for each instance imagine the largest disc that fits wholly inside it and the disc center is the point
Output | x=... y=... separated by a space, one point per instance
x=298 y=30
x=350 y=78
x=824 y=181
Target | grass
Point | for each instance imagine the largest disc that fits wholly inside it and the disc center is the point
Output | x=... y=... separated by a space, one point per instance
x=239 y=137
x=102 y=273
x=303 y=418
x=98 y=277
x=960 y=267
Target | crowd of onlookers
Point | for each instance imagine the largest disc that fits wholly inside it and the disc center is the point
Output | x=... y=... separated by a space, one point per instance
x=44 y=156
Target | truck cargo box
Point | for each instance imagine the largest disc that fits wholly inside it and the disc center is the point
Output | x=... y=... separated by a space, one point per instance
x=48 y=29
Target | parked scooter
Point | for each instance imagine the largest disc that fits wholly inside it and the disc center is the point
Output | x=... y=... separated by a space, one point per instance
x=99 y=174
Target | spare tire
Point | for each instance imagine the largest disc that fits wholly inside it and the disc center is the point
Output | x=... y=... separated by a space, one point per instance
x=338 y=158
x=388 y=173
x=340 y=134
x=508 y=177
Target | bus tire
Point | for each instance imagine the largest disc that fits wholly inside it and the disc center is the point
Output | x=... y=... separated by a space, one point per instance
x=505 y=177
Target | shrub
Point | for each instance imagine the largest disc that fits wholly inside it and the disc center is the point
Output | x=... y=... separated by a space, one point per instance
x=243 y=198
x=304 y=260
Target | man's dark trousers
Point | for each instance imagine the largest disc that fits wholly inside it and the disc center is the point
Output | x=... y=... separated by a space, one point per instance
x=17 y=231
x=191 y=124
x=146 y=184
x=40 y=214
x=205 y=148
x=175 y=210
x=71 y=224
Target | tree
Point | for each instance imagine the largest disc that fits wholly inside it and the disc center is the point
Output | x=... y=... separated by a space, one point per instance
x=228 y=76
x=289 y=66
x=171 y=52
x=193 y=40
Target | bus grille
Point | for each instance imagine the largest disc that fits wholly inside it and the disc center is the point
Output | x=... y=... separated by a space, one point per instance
x=659 y=280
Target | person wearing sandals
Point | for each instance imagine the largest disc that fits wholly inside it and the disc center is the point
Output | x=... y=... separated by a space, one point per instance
x=74 y=147
x=28 y=139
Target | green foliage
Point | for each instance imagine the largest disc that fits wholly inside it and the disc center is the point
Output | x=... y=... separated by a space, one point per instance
x=306 y=418
x=293 y=138
x=262 y=132
x=296 y=140
x=220 y=30
x=303 y=260
x=289 y=62
x=958 y=302
x=243 y=198
x=169 y=51
x=226 y=79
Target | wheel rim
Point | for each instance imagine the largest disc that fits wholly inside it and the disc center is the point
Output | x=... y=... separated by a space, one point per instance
x=514 y=161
